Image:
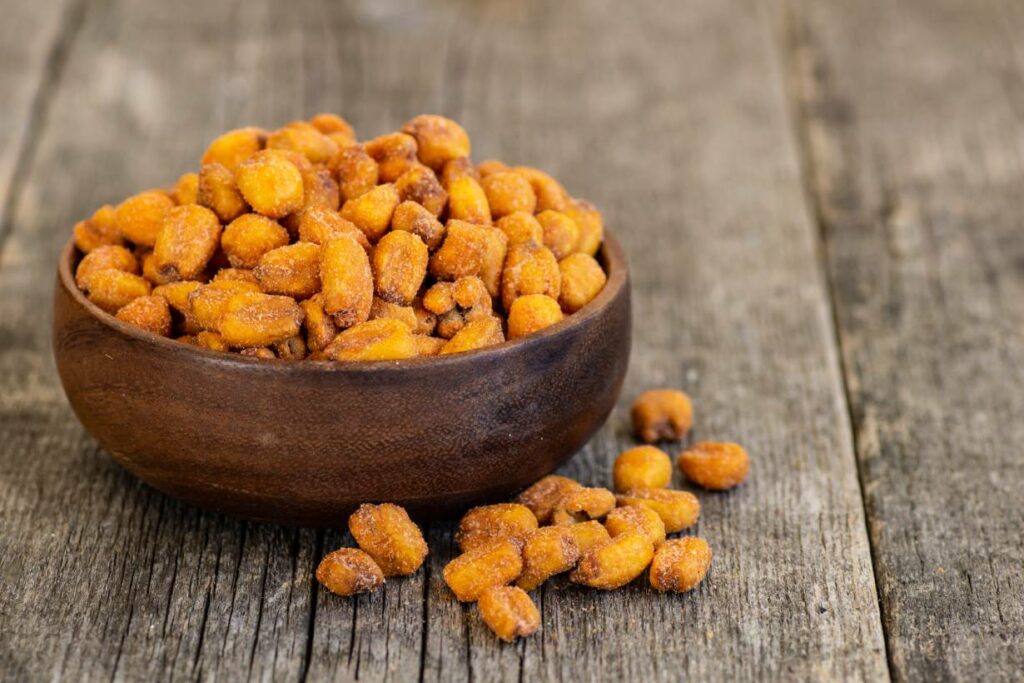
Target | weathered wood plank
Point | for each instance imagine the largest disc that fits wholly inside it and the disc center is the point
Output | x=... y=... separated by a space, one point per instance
x=34 y=38
x=913 y=114
x=683 y=141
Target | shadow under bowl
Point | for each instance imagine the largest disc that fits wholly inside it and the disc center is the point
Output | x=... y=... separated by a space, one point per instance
x=305 y=442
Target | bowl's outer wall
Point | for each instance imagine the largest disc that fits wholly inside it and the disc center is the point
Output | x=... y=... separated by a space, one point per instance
x=289 y=444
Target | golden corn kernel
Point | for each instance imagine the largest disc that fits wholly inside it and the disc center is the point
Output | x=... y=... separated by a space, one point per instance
x=385 y=309
x=677 y=509
x=293 y=270
x=470 y=574
x=371 y=212
x=546 y=552
x=426 y=322
x=590 y=223
x=206 y=303
x=98 y=231
x=680 y=564
x=643 y=467
x=551 y=196
x=332 y=123
x=457 y=303
x=491 y=166
x=560 y=232
x=715 y=465
x=458 y=168
x=149 y=269
x=411 y=217
x=636 y=519
x=236 y=274
x=186 y=189
x=110 y=289
x=347 y=280
x=257 y=319
x=320 y=327
x=176 y=294
x=304 y=138
x=387 y=534
x=186 y=243
x=615 y=563
x=529 y=269
x=139 y=218
x=357 y=172
x=545 y=495
x=211 y=340
x=249 y=237
x=582 y=280
x=532 y=313
x=520 y=227
x=475 y=335
x=349 y=571
x=420 y=185
x=104 y=257
x=589 y=535
x=271 y=183
x=218 y=191
x=149 y=313
x=509 y=612
x=589 y=503
x=399 y=266
x=427 y=345
x=292 y=348
x=319 y=190
x=468 y=202
x=662 y=414
x=508 y=192
x=488 y=523
x=395 y=153
x=470 y=249
x=438 y=139
x=234 y=147
x=256 y=352
x=381 y=339
x=319 y=225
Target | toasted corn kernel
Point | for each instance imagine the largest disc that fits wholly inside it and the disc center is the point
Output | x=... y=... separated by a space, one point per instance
x=615 y=563
x=547 y=551
x=349 y=571
x=509 y=612
x=662 y=414
x=680 y=564
x=387 y=534
x=470 y=574
x=715 y=465
x=643 y=467
x=488 y=523
x=677 y=509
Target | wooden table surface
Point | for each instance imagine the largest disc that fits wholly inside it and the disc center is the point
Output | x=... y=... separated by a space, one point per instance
x=823 y=204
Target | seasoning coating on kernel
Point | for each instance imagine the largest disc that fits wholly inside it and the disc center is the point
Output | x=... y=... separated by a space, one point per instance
x=140 y=218
x=508 y=192
x=347 y=281
x=387 y=534
x=104 y=257
x=560 y=232
x=715 y=465
x=643 y=467
x=414 y=218
x=186 y=243
x=662 y=414
x=256 y=319
x=292 y=270
x=590 y=502
x=150 y=313
x=319 y=225
x=532 y=313
x=509 y=612
x=638 y=519
x=234 y=147
x=477 y=334
x=271 y=183
x=249 y=237
x=488 y=523
x=381 y=339
x=582 y=280
x=357 y=171
x=349 y=571
x=530 y=268
x=588 y=535
x=420 y=185
x=218 y=191
x=546 y=495
x=399 y=266
x=677 y=509
x=680 y=564
x=547 y=551
x=615 y=563
x=438 y=139
x=110 y=289
x=371 y=212
x=470 y=574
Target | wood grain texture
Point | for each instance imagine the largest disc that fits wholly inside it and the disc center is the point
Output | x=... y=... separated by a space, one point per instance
x=34 y=37
x=674 y=120
x=913 y=117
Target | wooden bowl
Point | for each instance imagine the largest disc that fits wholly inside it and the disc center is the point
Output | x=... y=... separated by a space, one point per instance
x=305 y=442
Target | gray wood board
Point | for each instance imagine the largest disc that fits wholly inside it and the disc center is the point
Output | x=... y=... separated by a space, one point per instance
x=674 y=120
x=913 y=119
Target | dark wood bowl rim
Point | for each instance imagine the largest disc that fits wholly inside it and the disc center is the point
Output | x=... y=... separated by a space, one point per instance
x=615 y=267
